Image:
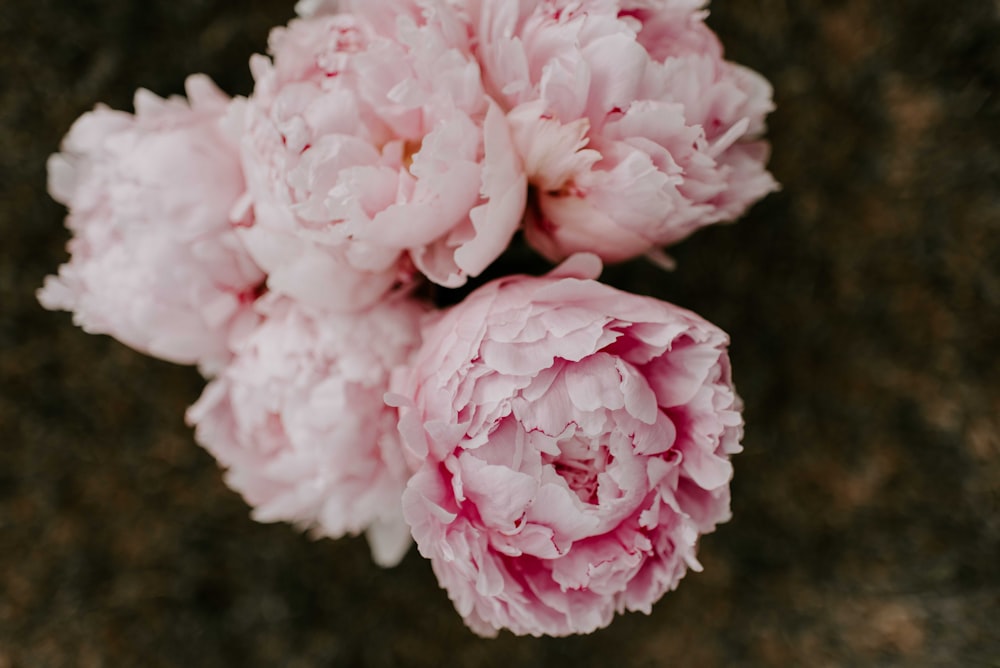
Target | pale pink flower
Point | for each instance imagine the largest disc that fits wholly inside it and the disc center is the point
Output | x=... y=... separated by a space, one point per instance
x=299 y=422
x=633 y=129
x=155 y=261
x=576 y=442
x=371 y=148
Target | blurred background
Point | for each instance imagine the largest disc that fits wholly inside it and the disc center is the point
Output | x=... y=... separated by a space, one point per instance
x=864 y=307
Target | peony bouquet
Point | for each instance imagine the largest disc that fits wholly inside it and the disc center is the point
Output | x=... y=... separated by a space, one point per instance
x=554 y=446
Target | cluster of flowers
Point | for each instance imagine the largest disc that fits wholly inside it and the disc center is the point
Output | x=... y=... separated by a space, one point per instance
x=553 y=445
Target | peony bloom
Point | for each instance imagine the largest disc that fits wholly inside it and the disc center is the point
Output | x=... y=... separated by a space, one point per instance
x=299 y=420
x=633 y=129
x=576 y=443
x=372 y=149
x=155 y=262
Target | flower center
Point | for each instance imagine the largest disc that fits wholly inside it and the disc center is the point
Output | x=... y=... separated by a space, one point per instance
x=579 y=463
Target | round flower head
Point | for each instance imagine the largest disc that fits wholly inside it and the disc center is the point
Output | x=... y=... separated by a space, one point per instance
x=299 y=420
x=371 y=148
x=633 y=129
x=576 y=443
x=155 y=260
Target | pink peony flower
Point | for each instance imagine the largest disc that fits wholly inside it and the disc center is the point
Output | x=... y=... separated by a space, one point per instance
x=633 y=129
x=155 y=261
x=576 y=443
x=299 y=421
x=371 y=148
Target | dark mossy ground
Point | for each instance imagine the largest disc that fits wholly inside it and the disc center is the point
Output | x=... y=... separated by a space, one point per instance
x=864 y=306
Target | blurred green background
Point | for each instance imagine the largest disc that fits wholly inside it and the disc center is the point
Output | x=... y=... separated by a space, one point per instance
x=864 y=306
